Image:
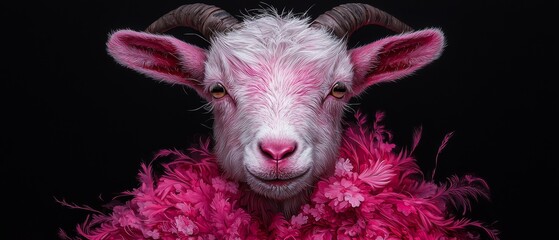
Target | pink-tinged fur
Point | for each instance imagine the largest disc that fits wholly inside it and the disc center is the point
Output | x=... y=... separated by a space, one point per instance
x=395 y=57
x=278 y=73
x=375 y=192
x=160 y=57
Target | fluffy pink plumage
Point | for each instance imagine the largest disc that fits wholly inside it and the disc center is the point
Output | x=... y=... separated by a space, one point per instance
x=376 y=192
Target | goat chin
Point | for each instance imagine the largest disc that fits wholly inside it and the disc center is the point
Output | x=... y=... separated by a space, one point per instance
x=266 y=206
x=291 y=206
x=280 y=189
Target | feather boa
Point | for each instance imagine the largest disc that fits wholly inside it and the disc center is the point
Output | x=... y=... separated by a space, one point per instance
x=376 y=192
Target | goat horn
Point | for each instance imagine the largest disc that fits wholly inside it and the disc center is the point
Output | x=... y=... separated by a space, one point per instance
x=344 y=19
x=206 y=19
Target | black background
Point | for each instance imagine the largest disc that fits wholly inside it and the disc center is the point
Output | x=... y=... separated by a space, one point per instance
x=76 y=125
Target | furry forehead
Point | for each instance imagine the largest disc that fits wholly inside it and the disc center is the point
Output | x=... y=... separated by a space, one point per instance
x=284 y=40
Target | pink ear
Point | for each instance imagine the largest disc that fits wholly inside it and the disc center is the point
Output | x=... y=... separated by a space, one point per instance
x=160 y=57
x=394 y=57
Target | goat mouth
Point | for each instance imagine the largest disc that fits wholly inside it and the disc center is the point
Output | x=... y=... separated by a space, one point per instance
x=277 y=181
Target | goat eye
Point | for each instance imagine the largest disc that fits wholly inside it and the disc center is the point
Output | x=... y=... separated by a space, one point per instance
x=338 y=90
x=218 y=91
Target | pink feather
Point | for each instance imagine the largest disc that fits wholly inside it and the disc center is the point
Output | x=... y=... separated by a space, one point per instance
x=441 y=147
x=374 y=194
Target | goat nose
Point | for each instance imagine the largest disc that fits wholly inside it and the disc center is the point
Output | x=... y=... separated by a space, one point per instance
x=277 y=149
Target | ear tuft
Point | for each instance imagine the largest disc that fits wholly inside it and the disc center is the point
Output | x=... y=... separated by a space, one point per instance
x=395 y=57
x=160 y=57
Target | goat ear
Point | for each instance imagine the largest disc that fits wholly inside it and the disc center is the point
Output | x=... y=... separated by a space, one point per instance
x=394 y=57
x=160 y=57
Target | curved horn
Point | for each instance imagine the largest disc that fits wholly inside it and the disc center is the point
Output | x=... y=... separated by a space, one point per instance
x=344 y=19
x=206 y=19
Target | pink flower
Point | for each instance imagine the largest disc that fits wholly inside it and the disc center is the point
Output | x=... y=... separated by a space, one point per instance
x=298 y=220
x=125 y=217
x=185 y=226
x=221 y=184
x=366 y=198
x=343 y=167
x=344 y=192
x=386 y=147
x=351 y=229
x=317 y=211
x=184 y=207
x=405 y=208
x=151 y=234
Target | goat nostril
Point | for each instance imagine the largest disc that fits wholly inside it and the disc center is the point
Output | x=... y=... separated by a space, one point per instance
x=278 y=150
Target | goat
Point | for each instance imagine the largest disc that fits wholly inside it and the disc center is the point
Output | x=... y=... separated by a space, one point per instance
x=278 y=85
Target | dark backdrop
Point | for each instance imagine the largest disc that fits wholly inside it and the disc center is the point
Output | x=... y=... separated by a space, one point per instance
x=76 y=125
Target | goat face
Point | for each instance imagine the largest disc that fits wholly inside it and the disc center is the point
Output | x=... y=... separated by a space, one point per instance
x=278 y=126
x=277 y=85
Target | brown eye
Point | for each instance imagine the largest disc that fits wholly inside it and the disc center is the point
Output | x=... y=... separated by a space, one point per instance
x=218 y=91
x=338 y=90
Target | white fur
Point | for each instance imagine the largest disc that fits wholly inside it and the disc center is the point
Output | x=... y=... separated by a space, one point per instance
x=278 y=73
